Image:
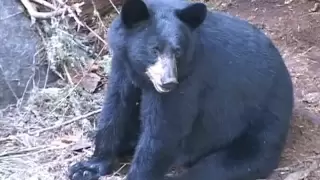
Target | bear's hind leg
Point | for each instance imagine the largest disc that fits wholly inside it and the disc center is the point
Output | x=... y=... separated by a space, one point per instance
x=254 y=155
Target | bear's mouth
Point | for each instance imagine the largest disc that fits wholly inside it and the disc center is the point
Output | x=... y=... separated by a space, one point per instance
x=164 y=88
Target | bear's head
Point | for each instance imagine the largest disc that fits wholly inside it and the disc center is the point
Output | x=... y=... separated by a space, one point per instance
x=158 y=40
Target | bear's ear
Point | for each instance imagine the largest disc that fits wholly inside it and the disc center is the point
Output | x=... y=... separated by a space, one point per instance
x=193 y=15
x=133 y=11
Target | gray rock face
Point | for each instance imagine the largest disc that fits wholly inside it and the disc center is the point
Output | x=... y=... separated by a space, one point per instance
x=19 y=49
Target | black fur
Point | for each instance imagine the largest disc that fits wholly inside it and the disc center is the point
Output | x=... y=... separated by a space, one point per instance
x=229 y=116
x=193 y=15
x=133 y=12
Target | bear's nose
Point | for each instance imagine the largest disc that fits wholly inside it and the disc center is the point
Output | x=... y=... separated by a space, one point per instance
x=169 y=84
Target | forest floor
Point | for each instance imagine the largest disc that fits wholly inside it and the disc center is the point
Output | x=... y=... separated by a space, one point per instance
x=55 y=127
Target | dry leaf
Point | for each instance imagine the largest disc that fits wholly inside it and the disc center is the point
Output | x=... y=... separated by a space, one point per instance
x=93 y=66
x=89 y=82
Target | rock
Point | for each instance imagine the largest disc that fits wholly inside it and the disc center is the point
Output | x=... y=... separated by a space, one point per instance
x=19 y=49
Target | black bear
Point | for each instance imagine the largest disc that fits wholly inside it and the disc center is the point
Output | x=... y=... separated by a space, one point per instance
x=192 y=88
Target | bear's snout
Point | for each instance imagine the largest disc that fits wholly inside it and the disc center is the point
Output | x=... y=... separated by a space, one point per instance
x=163 y=74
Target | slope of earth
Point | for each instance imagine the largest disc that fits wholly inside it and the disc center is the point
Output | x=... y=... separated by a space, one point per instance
x=294 y=27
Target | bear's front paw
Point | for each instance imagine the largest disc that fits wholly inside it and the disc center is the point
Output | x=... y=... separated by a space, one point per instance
x=90 y=170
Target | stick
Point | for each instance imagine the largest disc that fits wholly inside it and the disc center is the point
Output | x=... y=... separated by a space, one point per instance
x=41 y=15
x=66 y=122
x=45 y=3
x=26 y=150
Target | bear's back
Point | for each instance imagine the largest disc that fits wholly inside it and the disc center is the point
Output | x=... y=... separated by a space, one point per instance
x=233 y=54
x=232 y=37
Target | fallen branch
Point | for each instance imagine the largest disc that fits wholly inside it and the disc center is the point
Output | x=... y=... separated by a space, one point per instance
x=71 y=10
x=41 y=15
x=26 y=150
x=114 y=6
x=79 y=21
x=9 y=138
x=45 y=15
x=66 y=122
x=45 y=3
x=12 y=138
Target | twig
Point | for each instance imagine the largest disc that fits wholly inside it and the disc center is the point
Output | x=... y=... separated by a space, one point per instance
x=48 y=61
x=45 y=3
x=47 y=76
x=18 y=104
x=94 y=33
x=118 y=171
x=61 y=2
x=75 y=18
x=44 y=15
x=30 y=78
x=21 y=151
x=66 y=122
x=9 y=138
x=10 y=16
x=96 y=13
x=67 y=74
x=53 y=127
x=84 y=24
x=41 y=15
x=114 y=6
x=8 y=84
x=37 y=149
x=70 y=11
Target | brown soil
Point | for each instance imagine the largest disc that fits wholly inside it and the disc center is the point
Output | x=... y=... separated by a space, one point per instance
x=295 y=29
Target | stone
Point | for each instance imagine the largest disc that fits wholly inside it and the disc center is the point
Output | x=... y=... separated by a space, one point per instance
x=19 y=50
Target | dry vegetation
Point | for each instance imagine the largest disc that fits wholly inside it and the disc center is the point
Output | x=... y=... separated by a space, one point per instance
x=39 y=139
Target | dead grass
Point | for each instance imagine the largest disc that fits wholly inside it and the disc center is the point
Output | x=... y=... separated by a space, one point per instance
x=38 y=139
x=36 y=142
x=55 y=126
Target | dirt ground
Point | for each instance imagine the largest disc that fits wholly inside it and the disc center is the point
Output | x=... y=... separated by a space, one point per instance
x=40 y=141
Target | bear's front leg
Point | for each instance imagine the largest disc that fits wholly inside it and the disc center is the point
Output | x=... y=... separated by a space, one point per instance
x=118 y=121
x=162 y=132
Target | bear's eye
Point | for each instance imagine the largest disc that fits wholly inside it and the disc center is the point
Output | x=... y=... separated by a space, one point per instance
x=155 y=50
x=177 y=52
